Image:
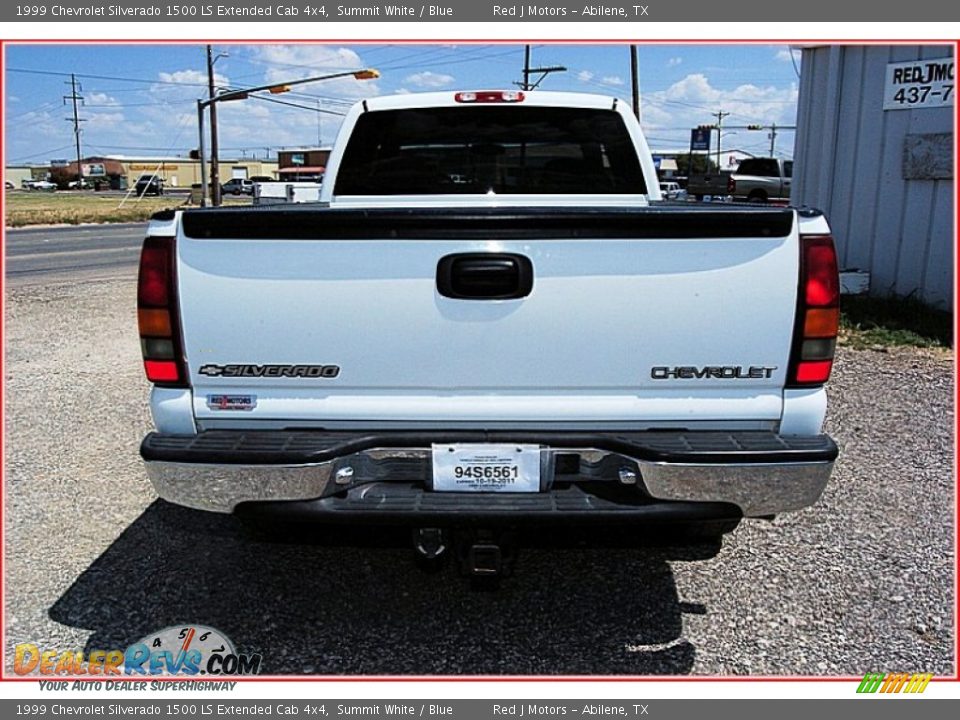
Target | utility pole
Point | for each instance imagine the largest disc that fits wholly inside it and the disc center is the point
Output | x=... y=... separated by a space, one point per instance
x=635 y=79
x=214 y=140
x=204 y=188
x=719 y=115
x=528 y=71
x=76 y=119
x=526 y=67
x=773 y=135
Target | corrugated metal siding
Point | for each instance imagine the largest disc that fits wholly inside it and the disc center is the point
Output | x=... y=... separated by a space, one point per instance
x=849 y=163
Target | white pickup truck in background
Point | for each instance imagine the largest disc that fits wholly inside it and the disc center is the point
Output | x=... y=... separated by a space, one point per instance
x=488 y=321
x=755 y=180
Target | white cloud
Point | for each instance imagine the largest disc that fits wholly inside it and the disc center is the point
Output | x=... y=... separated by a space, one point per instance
x=103 y=121
x=612 y=80
x=427 y=79
x=674 y=61
x=98 y=98
x=193 y=79
x=696 y=88
x=584 y=76
x=786 y=55
x=295 y=62
x=692 y=87
x=668 y=114
x=654 y=116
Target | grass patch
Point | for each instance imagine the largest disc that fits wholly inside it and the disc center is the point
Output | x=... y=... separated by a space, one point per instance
x=46 y=208
x=871 y=321
x=72 y=208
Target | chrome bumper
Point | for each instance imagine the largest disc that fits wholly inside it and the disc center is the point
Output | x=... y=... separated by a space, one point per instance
x=757 y=489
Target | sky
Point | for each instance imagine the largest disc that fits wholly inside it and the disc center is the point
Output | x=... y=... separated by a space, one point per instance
x=141 y=99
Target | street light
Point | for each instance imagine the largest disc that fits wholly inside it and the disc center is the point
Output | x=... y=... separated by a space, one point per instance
x=273 y=88
x=214 y=146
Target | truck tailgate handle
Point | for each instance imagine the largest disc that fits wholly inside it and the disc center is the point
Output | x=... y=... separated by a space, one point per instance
x=485 y=276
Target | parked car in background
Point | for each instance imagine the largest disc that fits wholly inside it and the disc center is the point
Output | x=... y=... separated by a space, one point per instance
x=79 y=185
x=39 y=185
x=7 y=185
x=237 y=186
x=671 y=191
x=262 y=178
x=714 y=184
x=149 y=185
x=755 y=180
x=762 y=179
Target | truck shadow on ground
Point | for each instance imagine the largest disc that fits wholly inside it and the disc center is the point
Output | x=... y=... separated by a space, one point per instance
x=353 y=601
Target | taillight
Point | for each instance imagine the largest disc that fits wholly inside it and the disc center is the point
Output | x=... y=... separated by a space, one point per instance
x=157 y=315
x=731 y=185
x=818 y=313
x=489 y=96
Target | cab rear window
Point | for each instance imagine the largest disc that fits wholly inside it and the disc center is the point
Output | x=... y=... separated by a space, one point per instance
x=484 y=150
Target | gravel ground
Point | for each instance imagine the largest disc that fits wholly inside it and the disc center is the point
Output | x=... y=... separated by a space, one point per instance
x=861 y=582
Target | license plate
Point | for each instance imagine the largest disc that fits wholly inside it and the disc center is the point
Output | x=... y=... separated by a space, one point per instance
x=486 y=468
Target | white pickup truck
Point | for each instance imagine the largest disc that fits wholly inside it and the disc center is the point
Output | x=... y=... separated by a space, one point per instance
x=490 y=320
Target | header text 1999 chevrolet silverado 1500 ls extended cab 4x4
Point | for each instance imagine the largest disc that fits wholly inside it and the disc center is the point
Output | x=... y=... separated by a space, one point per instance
x=490 y=318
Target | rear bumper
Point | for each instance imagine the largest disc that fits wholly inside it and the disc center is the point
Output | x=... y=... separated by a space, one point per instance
x=599 y=475
x=387 y=475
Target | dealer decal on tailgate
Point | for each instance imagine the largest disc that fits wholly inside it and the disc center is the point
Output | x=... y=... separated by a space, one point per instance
x=231 y=402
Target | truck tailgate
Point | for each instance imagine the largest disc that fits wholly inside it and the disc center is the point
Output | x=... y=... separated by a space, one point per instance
x=636 y=316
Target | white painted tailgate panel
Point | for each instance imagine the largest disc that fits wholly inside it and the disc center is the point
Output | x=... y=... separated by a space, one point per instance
x=581 y=346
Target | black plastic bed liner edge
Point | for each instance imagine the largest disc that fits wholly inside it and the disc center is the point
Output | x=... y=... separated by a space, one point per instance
x=547 y=223
x=292 y=447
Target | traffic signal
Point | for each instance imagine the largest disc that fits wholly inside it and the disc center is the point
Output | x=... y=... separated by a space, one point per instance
x=754 y=127
x=706 y=127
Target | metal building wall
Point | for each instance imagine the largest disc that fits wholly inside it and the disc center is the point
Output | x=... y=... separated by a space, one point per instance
x=849 y=162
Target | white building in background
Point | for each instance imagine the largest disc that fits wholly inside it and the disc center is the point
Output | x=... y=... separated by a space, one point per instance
x=875 y=151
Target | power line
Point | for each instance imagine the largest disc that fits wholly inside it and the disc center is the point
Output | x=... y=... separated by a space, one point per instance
x=296 y=105
x=44 y=152
x=121 y=106
x=449 y=62
x=49 y=105
x=106 y=77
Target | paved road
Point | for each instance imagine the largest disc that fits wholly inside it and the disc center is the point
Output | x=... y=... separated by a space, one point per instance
x=86 y=252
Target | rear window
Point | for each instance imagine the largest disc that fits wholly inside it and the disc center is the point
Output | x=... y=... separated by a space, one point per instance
x=501 y=150
x=763 y=167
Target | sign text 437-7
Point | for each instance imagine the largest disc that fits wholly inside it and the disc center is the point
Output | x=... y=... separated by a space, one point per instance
x=919 y=84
